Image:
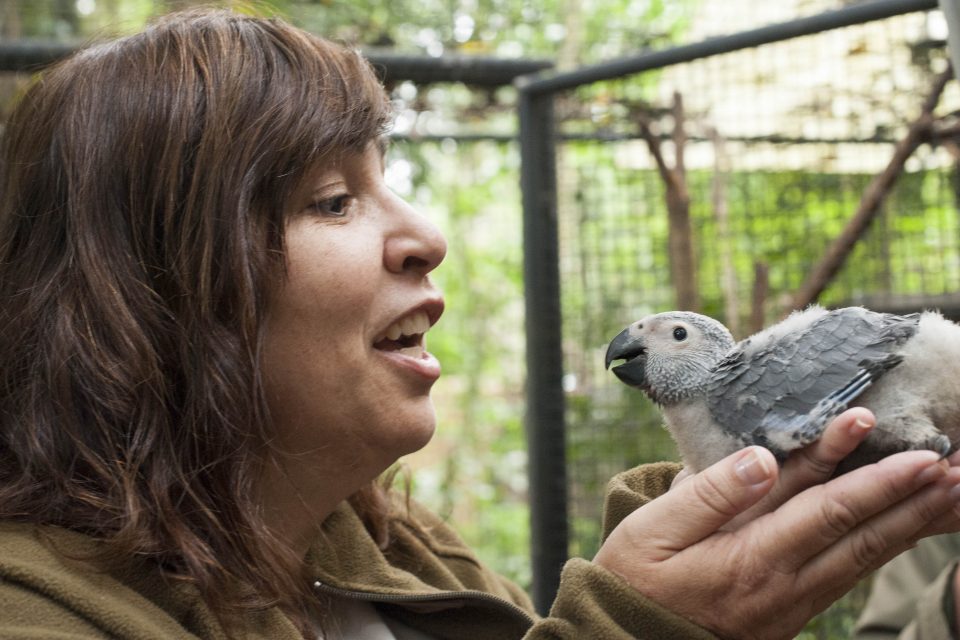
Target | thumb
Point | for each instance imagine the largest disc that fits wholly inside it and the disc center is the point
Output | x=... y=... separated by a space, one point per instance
x=704 y=502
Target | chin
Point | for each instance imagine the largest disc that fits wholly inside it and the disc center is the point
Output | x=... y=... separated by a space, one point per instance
x=415 y=431
x=421 y=436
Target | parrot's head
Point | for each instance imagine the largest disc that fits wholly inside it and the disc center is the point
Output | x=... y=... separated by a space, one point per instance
x=669 y=355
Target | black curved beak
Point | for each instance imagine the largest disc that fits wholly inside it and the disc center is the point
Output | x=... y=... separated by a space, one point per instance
x=632 y=349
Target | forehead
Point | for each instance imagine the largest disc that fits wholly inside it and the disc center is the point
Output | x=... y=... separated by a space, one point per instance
x=665 y=319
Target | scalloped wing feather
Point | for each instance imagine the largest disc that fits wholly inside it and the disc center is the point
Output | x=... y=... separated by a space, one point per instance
x=781 y=387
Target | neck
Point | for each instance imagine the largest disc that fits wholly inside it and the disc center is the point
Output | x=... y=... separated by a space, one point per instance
x=296 y=498
x=679 y=381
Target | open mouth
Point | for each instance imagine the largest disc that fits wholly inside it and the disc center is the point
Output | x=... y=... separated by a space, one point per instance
x=620 y=359
x=406 y=335
x=628 y=357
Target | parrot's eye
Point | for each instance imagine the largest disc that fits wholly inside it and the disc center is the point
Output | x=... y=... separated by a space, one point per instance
x=679 y=334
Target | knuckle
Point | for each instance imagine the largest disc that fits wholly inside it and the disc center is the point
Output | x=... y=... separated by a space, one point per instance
x=838 y=517
x=893 y=490
x=709 y=491
x=867 y=546
x=925 y=512
x=816 y=466
x=753 y=579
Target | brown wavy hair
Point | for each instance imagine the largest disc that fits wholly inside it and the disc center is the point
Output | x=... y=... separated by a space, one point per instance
x=142 y=194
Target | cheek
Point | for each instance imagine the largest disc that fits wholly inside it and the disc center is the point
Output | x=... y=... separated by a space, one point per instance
x=308 y=389
x=331 y=291
x=312 y=355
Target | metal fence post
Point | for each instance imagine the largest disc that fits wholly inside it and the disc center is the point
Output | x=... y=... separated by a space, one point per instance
x=545 y=422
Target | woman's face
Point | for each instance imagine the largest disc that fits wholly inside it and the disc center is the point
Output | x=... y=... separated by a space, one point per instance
x=346 y=369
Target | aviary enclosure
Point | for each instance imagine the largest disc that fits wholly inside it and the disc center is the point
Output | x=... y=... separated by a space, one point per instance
x=743 y=177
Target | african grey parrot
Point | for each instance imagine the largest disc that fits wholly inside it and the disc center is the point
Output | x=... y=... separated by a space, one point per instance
x=782 y=386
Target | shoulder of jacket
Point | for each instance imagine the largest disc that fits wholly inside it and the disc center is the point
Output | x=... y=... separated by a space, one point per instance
x=49 y=569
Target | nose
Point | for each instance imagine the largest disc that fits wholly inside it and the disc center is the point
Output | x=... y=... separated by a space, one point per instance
x=415 y=244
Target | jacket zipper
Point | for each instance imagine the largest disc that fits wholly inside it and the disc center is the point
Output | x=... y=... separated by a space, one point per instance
x=368 y=596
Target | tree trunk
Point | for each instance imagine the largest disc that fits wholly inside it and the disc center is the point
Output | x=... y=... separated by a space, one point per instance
x=721 y=212
x=683 y=269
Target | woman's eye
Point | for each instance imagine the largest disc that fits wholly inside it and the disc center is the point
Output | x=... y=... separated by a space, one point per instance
x=335 y=207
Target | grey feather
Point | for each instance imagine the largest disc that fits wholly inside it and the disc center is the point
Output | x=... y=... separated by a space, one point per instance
x=782 y=386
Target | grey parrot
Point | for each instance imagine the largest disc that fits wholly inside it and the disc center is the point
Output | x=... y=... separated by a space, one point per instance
x=781 y=387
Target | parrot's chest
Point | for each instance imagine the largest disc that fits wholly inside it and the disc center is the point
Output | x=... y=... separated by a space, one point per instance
x=700 y=441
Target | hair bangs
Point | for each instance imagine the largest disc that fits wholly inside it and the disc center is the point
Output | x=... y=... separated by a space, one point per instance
x=338 y=103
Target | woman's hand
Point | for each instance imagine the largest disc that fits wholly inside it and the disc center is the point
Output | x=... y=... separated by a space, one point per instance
x=733 y=549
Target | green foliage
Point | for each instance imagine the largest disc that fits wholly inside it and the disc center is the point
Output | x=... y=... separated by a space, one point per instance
x=613 y=236
x=604 y=29
x=584 y=32
x=474 y=470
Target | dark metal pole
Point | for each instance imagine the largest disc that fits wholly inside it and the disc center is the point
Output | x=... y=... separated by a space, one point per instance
x=848 y=16
x=545 y=422
x=478 y=71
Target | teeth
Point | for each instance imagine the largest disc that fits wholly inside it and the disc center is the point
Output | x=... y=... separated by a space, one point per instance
x=411 y=325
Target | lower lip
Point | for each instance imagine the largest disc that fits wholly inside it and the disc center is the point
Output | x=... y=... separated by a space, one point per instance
x=426 y=367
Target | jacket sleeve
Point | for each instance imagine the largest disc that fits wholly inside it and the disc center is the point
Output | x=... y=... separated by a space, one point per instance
x=911 y=597
x=595 y=603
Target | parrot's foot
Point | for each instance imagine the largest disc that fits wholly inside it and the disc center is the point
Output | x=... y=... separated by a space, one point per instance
x=939 y=443
x=908 y=431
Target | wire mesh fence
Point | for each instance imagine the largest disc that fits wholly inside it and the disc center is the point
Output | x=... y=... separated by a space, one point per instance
x=776 y=145
x=780 y=143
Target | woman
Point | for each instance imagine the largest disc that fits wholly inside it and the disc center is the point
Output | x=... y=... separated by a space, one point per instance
x=212 y=314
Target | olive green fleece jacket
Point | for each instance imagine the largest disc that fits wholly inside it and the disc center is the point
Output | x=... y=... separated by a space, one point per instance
x=427 y=578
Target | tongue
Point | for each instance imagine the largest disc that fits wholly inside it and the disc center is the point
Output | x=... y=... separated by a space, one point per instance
x=413 y=352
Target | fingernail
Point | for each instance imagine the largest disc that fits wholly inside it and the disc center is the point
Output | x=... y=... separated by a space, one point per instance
x=860 y=426
x=751 y=468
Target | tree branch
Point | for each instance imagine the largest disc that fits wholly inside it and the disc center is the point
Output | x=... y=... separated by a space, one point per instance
x=871 y=202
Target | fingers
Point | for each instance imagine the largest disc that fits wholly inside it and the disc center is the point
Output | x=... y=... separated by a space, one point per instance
x=885 y=535
x=788 y=564
x=816 y=463
x=813 y=464
x=703 y=503
x=820 y=516
x=949 y=522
